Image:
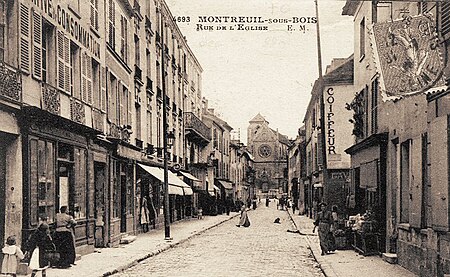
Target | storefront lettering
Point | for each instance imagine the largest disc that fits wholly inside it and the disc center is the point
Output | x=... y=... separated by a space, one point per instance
x=330 y=122
x=70 y=24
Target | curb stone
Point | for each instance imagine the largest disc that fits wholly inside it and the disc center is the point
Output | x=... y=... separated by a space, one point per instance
x=326 y=269
x=167 y=247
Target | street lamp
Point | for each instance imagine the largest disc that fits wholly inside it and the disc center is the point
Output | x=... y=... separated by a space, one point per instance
x=170 y=139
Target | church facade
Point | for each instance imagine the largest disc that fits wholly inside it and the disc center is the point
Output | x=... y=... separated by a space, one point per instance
x=269 y=149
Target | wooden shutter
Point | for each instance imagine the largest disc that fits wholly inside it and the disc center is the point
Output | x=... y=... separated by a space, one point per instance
x=415 y=204
x=63 y=61
x=94 y=14
x=86 y=78
x=67 y=67
x=111 y=24
x=439 y=155
x=445 y=20
x=37 y=45
x=89 y=78
x=24 y=44
x=103 y=89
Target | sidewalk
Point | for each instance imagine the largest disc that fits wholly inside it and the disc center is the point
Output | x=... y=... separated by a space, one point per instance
x=107 y=261
x=346 y=263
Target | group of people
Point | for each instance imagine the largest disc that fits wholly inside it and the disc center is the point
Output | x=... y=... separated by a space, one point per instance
x=326 y=221
x=43 y=249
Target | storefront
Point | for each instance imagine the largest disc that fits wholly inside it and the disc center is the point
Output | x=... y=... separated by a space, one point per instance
x=57 y=160
x=367 y=193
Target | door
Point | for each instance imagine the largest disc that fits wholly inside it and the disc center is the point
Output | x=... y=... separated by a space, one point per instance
x=99 y=204
x=123 y=202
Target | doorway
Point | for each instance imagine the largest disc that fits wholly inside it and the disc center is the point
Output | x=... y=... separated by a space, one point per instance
x=99 y=204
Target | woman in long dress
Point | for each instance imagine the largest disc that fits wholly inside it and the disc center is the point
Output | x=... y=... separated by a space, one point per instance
x=38 y=244
x=244 y=220
x=145 y=214
x=324 y=221
x=64 y=238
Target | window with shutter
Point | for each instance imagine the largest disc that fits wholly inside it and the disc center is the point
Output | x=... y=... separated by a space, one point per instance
x=111 y=24
x=94 y=14
x=445 y=20
x=415 y=196
x=63 y=62
x=37 y=45
x=24 y=45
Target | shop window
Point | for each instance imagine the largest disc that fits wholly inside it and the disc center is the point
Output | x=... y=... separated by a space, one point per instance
x=405 y=179
x=42 y=180
x=72 y=174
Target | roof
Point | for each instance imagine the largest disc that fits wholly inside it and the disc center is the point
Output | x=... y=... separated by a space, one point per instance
x=342 y=73
x=350 y=7
x=258 y=118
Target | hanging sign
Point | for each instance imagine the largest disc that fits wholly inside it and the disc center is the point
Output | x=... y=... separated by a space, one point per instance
x=408 y=56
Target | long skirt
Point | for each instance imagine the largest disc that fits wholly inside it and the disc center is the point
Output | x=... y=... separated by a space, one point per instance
x=65 y=245
x=324 y=232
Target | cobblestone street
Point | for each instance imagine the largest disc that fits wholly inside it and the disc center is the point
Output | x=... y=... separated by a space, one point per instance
x=263 y=249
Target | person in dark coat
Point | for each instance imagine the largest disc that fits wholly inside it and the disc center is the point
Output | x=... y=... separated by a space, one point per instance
x=324 y=221
x=267 y=201
x=64 y=238
x=38 y=244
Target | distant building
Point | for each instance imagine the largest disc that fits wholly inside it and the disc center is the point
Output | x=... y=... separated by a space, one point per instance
x=297 y=171
x=269 y=149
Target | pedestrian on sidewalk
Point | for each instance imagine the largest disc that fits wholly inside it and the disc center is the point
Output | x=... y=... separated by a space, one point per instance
x=324 y=221
x=145 y=214
x=64 y=238
x=199 y=213
x=11 y=253
x=244 y=220
x=267 y=201
x=40 y=243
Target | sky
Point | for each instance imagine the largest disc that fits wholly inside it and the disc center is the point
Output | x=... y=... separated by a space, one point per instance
x=263 y=71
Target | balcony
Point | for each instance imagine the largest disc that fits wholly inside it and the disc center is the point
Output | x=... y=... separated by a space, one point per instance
x=10 y=83
x=195 y=129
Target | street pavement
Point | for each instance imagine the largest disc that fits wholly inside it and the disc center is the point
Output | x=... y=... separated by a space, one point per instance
x=214 y=246
x=263 y=249
x=106 y=261
x=346 y=263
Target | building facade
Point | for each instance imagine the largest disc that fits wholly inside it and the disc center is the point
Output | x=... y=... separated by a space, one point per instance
x=400 y=152
x=269 y=149
x=82 y=115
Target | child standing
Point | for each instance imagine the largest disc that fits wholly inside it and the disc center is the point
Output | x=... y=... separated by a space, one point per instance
x=11 y=253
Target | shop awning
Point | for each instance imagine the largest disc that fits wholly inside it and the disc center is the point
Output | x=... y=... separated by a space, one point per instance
x=226 y=184
x=176 y=186
x=189 y=176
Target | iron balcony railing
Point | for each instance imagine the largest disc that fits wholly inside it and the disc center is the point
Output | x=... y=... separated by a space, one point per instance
x=193 y=123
